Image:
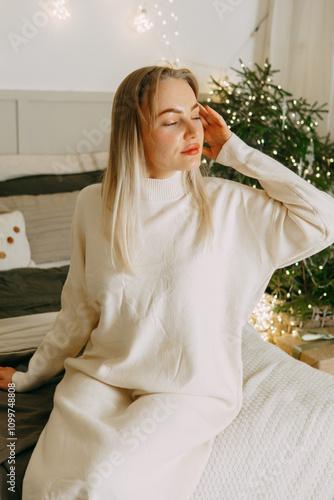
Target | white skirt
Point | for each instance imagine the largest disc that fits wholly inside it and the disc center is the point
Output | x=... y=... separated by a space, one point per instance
x=108 y=443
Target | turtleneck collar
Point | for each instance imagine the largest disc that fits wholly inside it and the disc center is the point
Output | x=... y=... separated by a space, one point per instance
x=163 y=189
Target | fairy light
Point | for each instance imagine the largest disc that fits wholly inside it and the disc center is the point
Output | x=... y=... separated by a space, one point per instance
x=168 y=22
x=142 y=21
x=60 y=9
x=263 y=318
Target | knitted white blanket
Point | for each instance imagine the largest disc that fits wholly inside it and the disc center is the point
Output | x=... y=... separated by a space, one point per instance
x=281 y=445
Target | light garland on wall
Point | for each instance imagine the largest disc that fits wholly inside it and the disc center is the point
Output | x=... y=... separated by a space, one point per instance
x=141 y=20
x=60 y=9
x=166 y=20
x=163 y=17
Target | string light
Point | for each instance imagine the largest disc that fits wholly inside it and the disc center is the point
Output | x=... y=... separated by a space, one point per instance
x=284 y=110
x=165 y=23
x=263 y=318
x=60 y=9
x=141 y=20
x=310 y=156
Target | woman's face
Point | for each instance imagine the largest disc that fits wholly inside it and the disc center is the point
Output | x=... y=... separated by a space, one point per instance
x=176 y=139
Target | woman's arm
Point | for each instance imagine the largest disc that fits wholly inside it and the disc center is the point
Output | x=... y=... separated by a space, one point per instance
x=297 y=218
x=73 y=325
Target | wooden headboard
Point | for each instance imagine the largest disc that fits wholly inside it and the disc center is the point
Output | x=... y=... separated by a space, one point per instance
x=54 y=122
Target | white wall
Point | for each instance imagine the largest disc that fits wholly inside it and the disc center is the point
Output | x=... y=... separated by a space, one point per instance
x=97 y=46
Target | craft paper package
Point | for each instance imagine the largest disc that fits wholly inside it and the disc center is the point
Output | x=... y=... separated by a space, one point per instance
x=318 y=354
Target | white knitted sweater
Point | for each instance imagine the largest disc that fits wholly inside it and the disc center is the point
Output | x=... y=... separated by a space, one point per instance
x=176 y=327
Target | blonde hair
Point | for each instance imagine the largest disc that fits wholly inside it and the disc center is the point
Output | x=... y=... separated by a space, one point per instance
x=121 y=185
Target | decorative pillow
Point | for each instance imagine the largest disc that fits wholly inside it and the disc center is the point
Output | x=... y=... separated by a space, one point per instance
x=48 y=220
x=14 y=245
x=49 y=184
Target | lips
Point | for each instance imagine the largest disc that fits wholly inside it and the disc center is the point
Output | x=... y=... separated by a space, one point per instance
x=192 y=149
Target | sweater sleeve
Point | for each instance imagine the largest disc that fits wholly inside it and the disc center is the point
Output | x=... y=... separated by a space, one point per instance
x=74 y=323
x=296 y=218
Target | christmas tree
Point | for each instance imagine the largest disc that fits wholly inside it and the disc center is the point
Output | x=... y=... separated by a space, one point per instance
x=270 y=119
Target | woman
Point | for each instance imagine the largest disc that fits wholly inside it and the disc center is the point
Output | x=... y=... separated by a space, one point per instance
x=165 y=271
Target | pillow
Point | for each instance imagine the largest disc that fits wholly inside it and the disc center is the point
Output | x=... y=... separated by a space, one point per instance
x=48 y=221
x=14 y=245
x=13 y=166
x=48 y=184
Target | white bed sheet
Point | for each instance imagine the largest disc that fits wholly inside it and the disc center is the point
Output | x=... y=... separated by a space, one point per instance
x=24 y=332
x=47 y=265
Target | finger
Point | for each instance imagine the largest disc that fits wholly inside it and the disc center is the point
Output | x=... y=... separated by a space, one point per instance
x=203 y=112
x=215 y=116
x=207 y=152
x=203 y=121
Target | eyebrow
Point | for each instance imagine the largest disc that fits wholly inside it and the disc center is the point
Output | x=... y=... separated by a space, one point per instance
x=175 y=110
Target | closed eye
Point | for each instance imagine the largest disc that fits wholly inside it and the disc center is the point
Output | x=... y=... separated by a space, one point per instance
x=174 y=123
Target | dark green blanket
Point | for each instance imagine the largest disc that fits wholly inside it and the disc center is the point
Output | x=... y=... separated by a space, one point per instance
x=31 y=290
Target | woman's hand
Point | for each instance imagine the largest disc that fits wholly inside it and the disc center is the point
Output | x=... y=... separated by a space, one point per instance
x=216 y=132
x=6 y=374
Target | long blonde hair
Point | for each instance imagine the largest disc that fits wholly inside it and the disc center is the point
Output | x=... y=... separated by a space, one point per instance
x=121 y=185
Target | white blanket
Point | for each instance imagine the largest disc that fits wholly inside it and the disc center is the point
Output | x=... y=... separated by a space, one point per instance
x=281 y=445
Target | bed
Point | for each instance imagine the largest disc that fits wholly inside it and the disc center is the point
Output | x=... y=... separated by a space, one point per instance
x=280 y=446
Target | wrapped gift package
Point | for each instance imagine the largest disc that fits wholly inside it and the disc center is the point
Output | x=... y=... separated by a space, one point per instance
x=318 y=353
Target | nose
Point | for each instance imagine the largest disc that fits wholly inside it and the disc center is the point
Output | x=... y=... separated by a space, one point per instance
x=191 y=129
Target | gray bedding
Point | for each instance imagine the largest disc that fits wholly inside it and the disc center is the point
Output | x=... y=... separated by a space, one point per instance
x=32 y=411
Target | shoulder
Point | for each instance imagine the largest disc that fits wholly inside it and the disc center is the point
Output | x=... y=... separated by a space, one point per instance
x=215 y=186
x=88 y=203
x=232 y=195
x=90 y=192
x=89 y=197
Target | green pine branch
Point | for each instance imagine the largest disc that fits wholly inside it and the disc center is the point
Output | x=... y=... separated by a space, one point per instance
x=270 y=119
